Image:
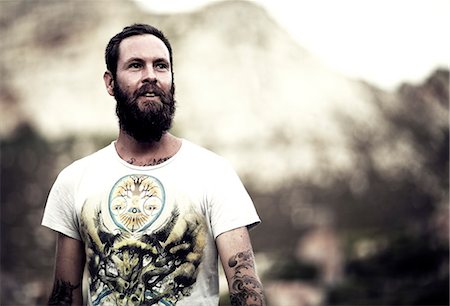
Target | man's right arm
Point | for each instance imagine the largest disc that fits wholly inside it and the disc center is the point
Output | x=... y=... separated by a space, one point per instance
x=69 y=266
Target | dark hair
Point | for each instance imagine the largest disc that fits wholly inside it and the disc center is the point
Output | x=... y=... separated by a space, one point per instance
x=112 y=49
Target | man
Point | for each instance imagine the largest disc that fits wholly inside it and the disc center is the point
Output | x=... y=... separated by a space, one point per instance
x=142 y=221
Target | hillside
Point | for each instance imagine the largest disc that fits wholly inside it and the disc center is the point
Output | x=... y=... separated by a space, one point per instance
x=245 y=88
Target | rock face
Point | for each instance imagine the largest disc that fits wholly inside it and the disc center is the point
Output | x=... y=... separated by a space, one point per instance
x=244 y=87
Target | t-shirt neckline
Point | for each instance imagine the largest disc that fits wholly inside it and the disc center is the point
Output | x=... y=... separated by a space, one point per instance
x=145 y=168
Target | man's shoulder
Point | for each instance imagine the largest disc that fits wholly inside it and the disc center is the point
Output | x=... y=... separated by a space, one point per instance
x=202 y=154
x=204 y=160
x=87 y=161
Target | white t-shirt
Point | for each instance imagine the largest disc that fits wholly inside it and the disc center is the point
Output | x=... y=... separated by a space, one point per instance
x=149 y=232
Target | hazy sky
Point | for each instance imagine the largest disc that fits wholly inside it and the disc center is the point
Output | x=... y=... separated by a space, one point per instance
x=383 y=41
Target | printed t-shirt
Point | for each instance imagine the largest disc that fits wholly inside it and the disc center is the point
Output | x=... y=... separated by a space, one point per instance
x=149 y=232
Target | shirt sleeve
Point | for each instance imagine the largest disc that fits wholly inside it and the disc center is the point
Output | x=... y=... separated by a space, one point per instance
x=60 y=213
x=230 y=204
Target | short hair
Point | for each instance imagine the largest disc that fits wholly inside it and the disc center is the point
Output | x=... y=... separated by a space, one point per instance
x=112 y=49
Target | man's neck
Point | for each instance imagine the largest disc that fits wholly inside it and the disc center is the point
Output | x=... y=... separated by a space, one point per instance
x=147 y=153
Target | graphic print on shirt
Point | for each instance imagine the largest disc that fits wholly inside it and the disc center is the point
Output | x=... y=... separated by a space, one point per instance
x=131 y=262
x=135 y=202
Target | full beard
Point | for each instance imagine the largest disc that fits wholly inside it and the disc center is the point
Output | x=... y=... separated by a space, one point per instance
x=149 y=122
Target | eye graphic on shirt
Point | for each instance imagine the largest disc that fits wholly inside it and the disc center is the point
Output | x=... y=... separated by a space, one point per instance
x=136 y=201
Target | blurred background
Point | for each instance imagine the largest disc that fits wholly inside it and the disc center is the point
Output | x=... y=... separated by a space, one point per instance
x=335 y=115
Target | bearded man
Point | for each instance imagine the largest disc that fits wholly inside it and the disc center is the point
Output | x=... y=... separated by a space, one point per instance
x=144 y=220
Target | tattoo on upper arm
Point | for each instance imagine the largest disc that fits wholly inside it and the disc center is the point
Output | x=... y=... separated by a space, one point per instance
x=245 y=287
x=62 y=293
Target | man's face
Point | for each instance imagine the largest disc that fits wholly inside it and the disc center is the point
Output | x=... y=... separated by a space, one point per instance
x=142 y=88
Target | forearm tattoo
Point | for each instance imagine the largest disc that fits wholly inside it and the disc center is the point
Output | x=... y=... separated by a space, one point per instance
x=62 y=293
x=245 y=288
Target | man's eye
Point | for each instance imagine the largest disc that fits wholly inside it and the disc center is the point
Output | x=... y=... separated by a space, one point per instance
x=162 y=66
x=134 y=65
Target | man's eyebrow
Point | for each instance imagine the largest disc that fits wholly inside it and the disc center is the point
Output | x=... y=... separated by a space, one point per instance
x=134 y=59
x=162 y=59
x=141 y=60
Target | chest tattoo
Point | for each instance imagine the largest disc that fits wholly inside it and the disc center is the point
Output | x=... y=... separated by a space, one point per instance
x=151 y=162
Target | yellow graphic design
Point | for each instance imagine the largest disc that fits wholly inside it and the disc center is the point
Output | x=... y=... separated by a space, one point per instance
x=141 y=250
x=136 y=201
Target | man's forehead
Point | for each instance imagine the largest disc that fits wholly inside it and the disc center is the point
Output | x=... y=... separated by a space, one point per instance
x=145 y=45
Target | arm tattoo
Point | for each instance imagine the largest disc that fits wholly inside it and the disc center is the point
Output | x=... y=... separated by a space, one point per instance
x=245 y=288
x=62 y=293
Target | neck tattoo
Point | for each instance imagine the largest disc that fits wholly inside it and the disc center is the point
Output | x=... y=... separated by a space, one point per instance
x=151 y=162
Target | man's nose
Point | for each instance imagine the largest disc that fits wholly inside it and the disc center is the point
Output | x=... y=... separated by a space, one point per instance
x=148 y=74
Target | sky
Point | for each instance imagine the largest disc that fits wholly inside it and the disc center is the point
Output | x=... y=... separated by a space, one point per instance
x=385 y=42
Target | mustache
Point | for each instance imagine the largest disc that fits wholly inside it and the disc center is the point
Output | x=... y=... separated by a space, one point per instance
x=149 y=87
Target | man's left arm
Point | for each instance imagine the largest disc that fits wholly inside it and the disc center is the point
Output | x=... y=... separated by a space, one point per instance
x=238 y=261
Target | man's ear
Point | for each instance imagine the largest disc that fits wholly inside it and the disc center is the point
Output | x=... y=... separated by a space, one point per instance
x=109 y=82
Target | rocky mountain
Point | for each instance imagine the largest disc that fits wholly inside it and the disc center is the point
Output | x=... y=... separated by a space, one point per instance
x=245 y=88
